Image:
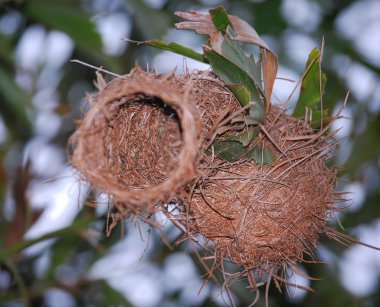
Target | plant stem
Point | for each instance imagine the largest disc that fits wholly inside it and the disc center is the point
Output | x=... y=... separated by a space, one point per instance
x=20 y=282
x=10 y=251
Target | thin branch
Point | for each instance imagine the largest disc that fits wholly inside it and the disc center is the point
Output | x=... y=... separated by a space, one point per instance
x=96 y=68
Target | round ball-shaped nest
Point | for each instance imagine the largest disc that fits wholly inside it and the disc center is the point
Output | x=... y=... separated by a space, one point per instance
x=261 y=217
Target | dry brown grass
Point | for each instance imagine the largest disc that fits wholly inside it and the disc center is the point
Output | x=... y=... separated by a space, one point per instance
x=139 y=140
x=144 y=142
x=264 y=218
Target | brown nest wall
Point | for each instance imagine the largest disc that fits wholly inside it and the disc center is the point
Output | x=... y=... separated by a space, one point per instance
x=264 y=218
x=144 y=142
x=139 y=140
x=143 y=134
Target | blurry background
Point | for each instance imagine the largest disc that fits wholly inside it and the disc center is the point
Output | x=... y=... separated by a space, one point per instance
x=53 y=249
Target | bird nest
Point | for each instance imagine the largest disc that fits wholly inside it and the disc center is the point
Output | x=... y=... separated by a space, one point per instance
x=264 y=218
x=148 y=141
x=141 y=139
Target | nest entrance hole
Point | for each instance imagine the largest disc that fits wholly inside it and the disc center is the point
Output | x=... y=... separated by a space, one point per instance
x=143 y=141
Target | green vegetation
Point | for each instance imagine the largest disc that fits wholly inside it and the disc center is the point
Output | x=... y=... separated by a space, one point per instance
x=30 y=94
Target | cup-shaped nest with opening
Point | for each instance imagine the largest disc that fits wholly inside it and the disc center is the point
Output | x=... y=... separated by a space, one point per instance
x=246 y=177
x=141 y=139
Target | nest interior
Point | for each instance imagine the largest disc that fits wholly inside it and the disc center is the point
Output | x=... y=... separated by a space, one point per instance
x=135 y=138
x=140 y=139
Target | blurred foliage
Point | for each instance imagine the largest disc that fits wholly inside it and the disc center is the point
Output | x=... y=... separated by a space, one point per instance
x=75 y=248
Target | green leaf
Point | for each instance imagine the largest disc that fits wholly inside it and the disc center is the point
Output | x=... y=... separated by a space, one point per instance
x=6 y=50
x=247 y=120
x=310 y=94
x=14 y=105
x=202 y=23
x=229 y=150
x=220 y=18
x=239 y=82
x=316 y=118
x=76 y=228
x=69 y=19
x=246 y=137
x=241 y=92
x=150 y=23
x=110 y=296
x=173 y=47
x=262 y=155
x=257 y=112
x=233 y=50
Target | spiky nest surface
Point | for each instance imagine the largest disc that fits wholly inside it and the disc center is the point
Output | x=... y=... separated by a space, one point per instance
x=142 y=135
x=147 y=138
x=139 y=140
x=262 y=217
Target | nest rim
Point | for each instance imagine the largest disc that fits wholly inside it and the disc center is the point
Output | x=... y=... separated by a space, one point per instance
x=189 y=124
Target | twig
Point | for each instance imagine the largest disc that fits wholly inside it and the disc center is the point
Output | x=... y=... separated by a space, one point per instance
x=96 y=68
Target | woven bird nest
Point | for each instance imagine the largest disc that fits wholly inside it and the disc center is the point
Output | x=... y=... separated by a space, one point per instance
x=264 y=218
x=148 y=139
x=153 y=141
x=141 y=138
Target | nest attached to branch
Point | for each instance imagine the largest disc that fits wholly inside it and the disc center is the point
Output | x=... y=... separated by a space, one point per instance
x=146 y=141
x=265 y=218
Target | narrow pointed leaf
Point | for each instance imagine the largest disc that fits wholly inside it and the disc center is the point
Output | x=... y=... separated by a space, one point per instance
x=310 y=94
x=173 y=47
x=220 y=18
x=262 y=155
x=14 y=105
x=257 y=112
x=202 y=23
x=234 y=51
x=241 y=92
x=246 y=137
x=69 y=19
x=230 y=151
x=239 y=82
